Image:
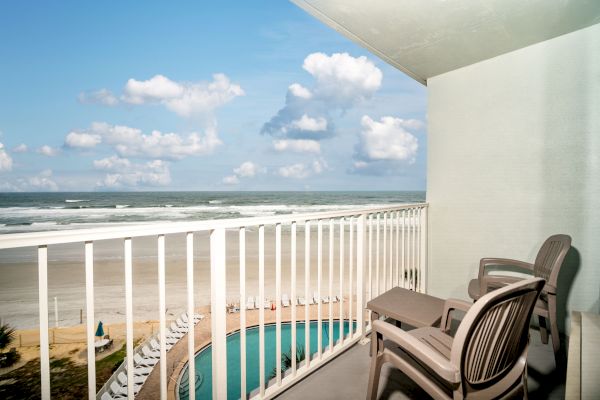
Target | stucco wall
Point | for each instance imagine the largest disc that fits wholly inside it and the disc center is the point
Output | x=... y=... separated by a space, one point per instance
x=514 y=156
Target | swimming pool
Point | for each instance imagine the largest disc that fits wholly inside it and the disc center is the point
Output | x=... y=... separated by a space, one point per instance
x=204 y=357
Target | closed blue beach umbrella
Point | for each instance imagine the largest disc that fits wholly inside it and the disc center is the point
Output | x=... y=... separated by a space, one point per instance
x=100 y=330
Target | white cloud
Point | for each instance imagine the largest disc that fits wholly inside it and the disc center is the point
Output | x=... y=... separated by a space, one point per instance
x=340 y=82
x=131 y=142
x=150 y=174
x=298 y=90
x=231 y=180
x=319 y=166
x=22 y=148
x=388 y=140
x=82 y=140
x=47 y=151
x=246 y=169
x=102 y=96
x=41 y=182
x=296 y=171
x=113 y=163
x=306 y=123
x=183 y=98
x=343 y=77
x=6 y=161
x=297 y=145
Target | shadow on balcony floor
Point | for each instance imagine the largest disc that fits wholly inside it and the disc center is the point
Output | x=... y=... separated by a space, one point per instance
x=346 y=377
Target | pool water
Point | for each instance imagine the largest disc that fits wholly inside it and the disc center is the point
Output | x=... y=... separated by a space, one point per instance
x=204 y=357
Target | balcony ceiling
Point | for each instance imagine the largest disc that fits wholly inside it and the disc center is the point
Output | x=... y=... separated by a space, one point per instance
x=425 y=38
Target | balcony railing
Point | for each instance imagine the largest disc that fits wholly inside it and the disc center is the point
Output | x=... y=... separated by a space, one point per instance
x=371 y=249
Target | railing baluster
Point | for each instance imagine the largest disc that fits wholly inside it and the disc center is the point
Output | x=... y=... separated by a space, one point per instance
x=377 y=278
x=242 y=246
x=341 y=291
x=408 y=248
x=384 y=252
x=261 y=309
x=129 y=314
x=360 y=258
x=370 y=251
x=307 y=288
x=89 y=312
x=391 y=282
x=412 y=250
x=331 y=285
x=403 y=271
x=44 y=341
x=293 y=294
x=319 y=277
x=162 y=309
x=397 y=221
x=351 y=279
x=424 y=242
x=191 y=314
x=218 y=316
x=278 y=305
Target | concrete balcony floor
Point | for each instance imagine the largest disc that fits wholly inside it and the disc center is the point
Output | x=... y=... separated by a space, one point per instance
x=346 y=377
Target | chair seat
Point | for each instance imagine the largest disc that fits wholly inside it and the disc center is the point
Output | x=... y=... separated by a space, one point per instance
x=435 y=339
x=541 y=306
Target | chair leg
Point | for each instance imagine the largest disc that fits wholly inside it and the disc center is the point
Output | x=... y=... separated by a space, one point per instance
x=374 y=373
x=543 y=329
x=553 y=325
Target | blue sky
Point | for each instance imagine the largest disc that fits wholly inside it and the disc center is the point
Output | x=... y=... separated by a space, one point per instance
x=199 y=96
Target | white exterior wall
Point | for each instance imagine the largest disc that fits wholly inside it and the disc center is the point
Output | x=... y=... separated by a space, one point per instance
x=514 y=156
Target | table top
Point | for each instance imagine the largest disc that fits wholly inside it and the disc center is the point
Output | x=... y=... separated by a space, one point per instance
x=407 y=306
x=101 y=342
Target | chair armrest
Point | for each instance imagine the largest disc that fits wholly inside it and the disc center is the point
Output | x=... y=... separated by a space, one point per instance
x=419 y=350
x=449 y=306
x=485 y=262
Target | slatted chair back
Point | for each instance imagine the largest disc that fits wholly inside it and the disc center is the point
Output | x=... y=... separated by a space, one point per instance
x=490 y=345
x=550 y=258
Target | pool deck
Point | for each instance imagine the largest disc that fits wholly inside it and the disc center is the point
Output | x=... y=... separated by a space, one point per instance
x=177 y=357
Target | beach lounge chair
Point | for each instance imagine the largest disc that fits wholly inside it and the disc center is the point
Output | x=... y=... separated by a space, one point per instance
x=154 y=345
x=486 y=358
x=335 y=299
x=250 y=303
x=325 y=299
x=178 y=328
x=150 y=353
x=315 y=299
x=120 y=391
x=197 y=318
x=301 y=301
x=138 y=380
x=181 y=325
x=285 y=300
x=109 y=396
x=267 y=304
x=141 y=371
x=144 y=362
x=547 y=266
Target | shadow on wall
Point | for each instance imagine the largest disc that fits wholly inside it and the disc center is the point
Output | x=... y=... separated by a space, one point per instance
x=568 y=272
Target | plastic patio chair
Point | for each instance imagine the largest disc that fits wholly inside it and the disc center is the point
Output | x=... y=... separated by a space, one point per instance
x=487 y=358
x=547 y=266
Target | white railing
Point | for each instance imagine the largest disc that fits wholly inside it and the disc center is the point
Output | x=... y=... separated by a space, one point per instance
x=376 y=249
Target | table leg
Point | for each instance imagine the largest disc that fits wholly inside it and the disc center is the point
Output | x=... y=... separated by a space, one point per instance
x=373 y=349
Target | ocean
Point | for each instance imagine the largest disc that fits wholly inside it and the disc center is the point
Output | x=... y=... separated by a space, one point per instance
x=34 y=212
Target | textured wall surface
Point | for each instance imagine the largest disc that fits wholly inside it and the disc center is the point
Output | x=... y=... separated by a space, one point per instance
x=514 y=156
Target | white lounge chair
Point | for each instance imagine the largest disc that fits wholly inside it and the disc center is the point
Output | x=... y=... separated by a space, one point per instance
x=139 y=371
x=315 y=298
x=150 y=353
x=177 y=328
x=301 y=301
x=334 y=299
x=285 y=300
x=108 y=396
x=266 y=304
x=137 y=380
x=119 y=391
x=250 y=303
x=325 y=299
x=144 y=362
x=181 y=325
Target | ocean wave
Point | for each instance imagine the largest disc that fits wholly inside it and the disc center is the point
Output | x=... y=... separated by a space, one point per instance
x=215 y=202
x=121 y=205
x=75 y=200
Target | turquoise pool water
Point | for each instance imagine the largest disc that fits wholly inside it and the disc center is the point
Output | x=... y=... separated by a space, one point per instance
x=204 y=357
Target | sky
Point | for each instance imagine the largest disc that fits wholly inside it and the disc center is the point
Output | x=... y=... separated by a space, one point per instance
x=135 y=96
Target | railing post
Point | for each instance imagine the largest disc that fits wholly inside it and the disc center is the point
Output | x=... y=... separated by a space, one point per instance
x=218 y=313
x=360 y=267
x=44 y=340
x=424 y=228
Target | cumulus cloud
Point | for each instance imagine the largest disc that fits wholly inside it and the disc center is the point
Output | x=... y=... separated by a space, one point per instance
x=47 y=151
x=183 y=98
x=247 y=169
x=123 y=173
x=131 y=142
x=6 y=161
x=340 y=82
x=384 y=142
x=297 y=145
x=22 y=148
x=103 y=96
x=302 y=170
x=40 y=182
x=82 y=140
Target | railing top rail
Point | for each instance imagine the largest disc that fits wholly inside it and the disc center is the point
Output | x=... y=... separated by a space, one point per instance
x=44 y=238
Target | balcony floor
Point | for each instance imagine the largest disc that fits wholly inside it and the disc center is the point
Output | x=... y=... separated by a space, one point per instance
x=347 y=376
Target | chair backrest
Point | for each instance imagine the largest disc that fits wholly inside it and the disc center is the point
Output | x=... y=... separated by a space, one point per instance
x=493 y=337
x=550 y=258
